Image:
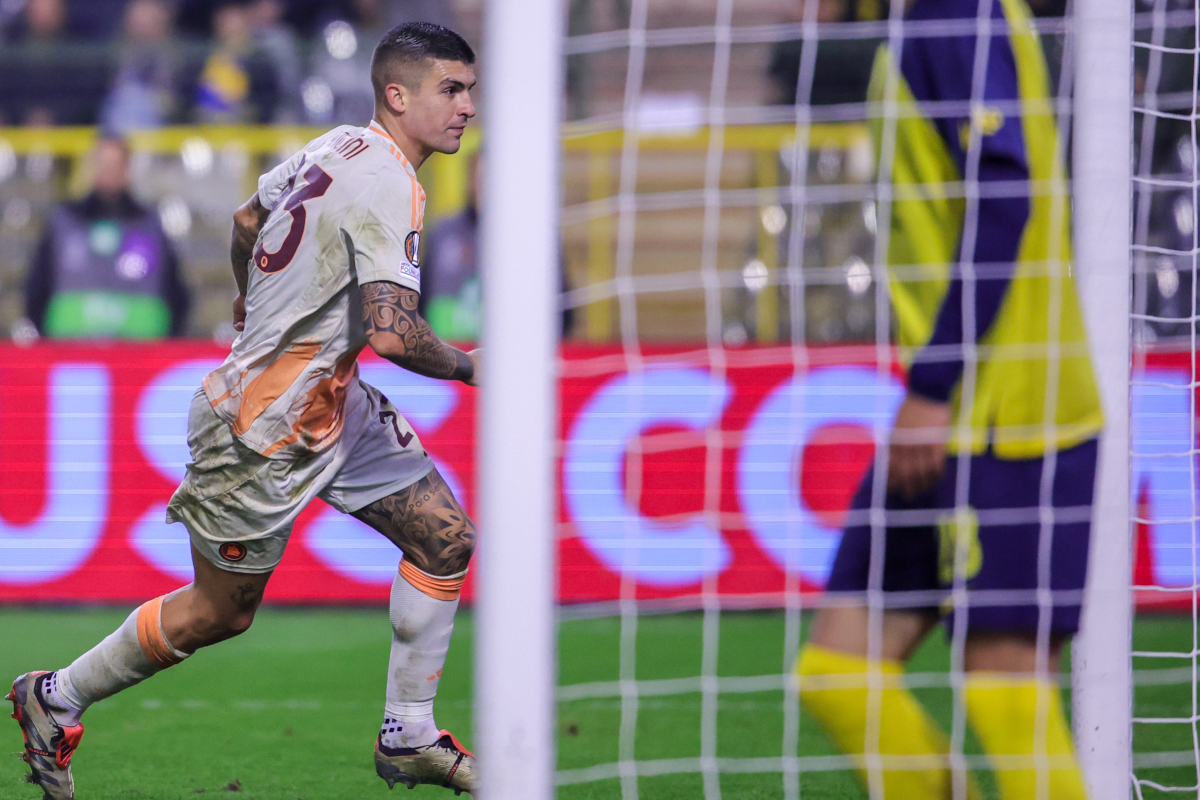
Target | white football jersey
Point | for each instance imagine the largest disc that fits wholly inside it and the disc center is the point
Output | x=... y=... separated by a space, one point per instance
x=344 y=211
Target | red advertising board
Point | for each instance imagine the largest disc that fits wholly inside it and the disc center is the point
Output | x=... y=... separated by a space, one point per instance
x=721 y=469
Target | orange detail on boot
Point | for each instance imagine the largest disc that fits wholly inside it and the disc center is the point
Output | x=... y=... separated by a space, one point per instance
x=456 y=742
x=66 y=748
x=150 y=635
x=437 y=588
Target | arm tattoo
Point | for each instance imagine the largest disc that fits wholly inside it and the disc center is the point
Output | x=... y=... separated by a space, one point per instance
x=246 y=227
x=390 y=315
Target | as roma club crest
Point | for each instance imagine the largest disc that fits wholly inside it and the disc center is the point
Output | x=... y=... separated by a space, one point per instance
x=232 y=551
x=412 y=248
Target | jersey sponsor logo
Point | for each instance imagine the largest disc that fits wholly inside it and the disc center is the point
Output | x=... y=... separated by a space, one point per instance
x=232 y=551
x=984 y=121
x=412 y=248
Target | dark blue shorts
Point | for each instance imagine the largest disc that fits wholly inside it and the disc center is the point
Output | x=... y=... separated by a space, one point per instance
x=994 y=549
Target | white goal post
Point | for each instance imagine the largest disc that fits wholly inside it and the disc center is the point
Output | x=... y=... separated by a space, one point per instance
x=1102 y=664
x=514 y=607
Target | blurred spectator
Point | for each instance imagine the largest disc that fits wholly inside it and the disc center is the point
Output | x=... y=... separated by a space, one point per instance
x=451 y=296
x=842 y=67
x=40 y=20
x=103 y=268
x=450 y=292
x=87 y=20
x=379 y=16
x=340 y=88
x=97 y=20
x=237 y=81
x=45 y=83
x=143 y=91
x=279 y=44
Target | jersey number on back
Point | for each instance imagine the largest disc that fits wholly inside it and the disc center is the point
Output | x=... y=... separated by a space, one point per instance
x=316 y=184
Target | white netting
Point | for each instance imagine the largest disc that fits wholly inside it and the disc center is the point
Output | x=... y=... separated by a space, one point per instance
x=725 y=231
x=1166 y=57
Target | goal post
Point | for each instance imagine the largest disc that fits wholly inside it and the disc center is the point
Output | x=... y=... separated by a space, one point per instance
x=1102 y=664
x=514 y=607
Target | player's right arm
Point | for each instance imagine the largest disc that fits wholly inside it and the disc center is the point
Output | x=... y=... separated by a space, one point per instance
x=398 y=333
x=248 y=221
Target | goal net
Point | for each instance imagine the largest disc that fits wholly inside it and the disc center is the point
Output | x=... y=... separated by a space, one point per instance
x=736 y=349
x=1163 y=404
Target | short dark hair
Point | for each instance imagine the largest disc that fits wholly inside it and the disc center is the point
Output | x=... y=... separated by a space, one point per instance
x=414 y=44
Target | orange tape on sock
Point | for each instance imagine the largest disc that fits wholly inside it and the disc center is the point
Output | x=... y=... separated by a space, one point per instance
x=150 y=635
x=437 y=588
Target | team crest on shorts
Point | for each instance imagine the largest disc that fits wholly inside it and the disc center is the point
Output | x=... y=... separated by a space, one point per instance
x=412 y=248
x=232 y=551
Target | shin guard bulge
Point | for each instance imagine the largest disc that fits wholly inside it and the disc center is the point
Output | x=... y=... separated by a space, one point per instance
x=422 y=613
x=834 y=689
x=126 y=657
x=1003 y=711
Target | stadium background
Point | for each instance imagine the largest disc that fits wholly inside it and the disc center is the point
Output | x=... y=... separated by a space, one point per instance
x=197 y=162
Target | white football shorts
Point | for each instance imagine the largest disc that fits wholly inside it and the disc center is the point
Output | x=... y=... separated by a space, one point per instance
x=239 y=506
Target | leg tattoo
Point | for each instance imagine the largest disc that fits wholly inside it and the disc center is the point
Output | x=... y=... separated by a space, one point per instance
x=427 y=523
x=246 y=597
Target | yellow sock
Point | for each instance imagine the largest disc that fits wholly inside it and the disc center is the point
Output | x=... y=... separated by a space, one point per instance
x=1003 y=711
x=834 y=690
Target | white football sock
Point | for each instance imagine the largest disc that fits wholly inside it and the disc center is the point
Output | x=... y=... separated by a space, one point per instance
x=412 y=734
x=64 y=713
x=126 y=657
x=421 y=628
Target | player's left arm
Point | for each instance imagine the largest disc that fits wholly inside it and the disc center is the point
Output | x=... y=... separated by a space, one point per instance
x=248 y=222
x=396 y=331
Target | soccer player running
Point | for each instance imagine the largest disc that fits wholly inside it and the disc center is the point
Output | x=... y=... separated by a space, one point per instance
x=326 y=257
x=992 y=458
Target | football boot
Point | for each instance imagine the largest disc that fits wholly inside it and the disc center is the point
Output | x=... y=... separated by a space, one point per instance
x=443 y=763
x=48 y=745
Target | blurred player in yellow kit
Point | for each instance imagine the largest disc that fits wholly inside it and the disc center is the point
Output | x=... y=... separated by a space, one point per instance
x=327 y=260
x=992 y=460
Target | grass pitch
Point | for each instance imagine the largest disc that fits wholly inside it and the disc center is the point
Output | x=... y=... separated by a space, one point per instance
x=289 y=710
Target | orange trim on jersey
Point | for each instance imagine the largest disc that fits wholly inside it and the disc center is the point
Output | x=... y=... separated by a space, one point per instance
x=272 y=382
x=150 y=635
x=291 y=438
x=393 y=146
x=417 y=191
x=437 y=588
x=322 y=415
x=207 y=390
x=375 y=126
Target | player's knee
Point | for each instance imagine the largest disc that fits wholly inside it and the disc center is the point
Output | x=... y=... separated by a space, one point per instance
x=231 y=625
x=239 y=623
x=448 y=559
x=210 y=625
x=464 y=549
x=468 y=547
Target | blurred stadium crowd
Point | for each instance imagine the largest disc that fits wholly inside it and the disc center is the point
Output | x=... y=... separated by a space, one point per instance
x=192 y=99
x=136 y=64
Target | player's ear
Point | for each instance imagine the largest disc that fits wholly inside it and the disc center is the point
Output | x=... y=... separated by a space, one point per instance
x=396 y=96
